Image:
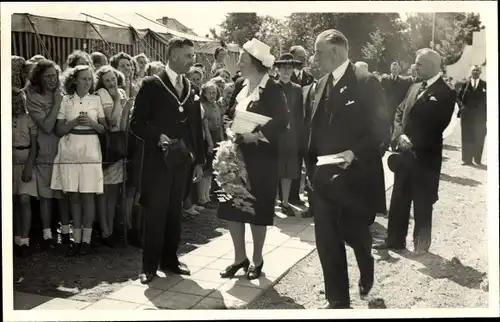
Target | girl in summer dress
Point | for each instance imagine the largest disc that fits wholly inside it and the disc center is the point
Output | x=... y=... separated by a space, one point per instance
x=77 y=166
x=116 y=109
x=23 y=158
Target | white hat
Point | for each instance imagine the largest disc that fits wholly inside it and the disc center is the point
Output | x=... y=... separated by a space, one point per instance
x=260 y=51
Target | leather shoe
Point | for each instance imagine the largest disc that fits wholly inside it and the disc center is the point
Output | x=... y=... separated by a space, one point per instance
x=146 y=278
x=365 y=287
x=386 y=245
x=335 y=306
x=180 y=269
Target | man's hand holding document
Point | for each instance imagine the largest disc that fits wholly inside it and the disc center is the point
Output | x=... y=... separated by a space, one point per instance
x=246 y=122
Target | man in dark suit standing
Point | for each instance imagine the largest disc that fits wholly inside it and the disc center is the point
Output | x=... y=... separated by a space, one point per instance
x=348 y=125
x=472 y=102
x=395 y=88
x=302 y=77
x=418 y=134
x=308 y=92
x=167 y=117
x=414 y=75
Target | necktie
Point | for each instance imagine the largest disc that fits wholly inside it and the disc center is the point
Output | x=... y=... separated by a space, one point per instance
x=178 y=85
x=475 y=83
x=422 y=88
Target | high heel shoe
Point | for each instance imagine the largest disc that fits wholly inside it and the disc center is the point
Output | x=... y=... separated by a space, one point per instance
x=231 y=270
x=254 y=272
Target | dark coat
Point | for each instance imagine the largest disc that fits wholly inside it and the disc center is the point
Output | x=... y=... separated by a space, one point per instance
x=395 y=92
x=471 y=98
x=307 y=78
x=156 y=112
x=424 y=120
x=352 y=117
x=261 y=160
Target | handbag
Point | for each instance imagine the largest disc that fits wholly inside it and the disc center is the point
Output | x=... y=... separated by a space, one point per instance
x=113 y=147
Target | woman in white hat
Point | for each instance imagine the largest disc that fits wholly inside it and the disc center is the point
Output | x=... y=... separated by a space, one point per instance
x=256 y=92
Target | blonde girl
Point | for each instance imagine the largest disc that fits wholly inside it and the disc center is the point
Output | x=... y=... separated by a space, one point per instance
x=77 y=166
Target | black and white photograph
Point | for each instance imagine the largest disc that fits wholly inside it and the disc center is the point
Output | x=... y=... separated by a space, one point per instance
x=249 y=160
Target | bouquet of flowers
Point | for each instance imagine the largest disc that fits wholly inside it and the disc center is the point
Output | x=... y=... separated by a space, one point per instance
x=231 y=175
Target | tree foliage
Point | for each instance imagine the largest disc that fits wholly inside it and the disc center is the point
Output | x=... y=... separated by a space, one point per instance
x=377 y=38
x=240 y=27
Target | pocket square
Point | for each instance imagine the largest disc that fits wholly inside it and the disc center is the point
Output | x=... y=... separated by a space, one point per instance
x=432 y=98
x=349 y=103
x=196 y=97
x=484 y=90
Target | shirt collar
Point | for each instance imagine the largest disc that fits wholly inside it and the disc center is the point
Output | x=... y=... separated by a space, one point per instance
x=432 y=80
x=340 y=71
x=171 y=74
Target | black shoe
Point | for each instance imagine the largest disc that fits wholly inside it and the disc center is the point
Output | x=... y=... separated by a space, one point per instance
x=231 y=270
x=49 y=243
x=146 y=278
x=365 y=287
x=307 y=214
x=467 y=163
x=254 y=272
x=74 y=250
x=288 y=211
x=336 y=305
x=179 y=269
x=299 y=202
x=389 y=246
x=65 y=240
x=108 y=241
x=85 y=249
x=24 y=251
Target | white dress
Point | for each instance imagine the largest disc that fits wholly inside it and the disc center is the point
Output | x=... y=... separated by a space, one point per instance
x=77 y=166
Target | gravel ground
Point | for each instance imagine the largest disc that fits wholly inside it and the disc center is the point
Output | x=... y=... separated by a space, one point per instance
x=453 y=275
x=94 y=276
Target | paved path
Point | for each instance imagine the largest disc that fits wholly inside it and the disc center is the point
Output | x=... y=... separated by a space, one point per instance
x=288 y=242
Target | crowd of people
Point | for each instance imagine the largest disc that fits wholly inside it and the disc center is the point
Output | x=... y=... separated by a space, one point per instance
x=331 y=123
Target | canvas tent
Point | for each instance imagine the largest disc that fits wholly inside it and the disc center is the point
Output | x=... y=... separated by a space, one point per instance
x=56 y=35
x=472 y=55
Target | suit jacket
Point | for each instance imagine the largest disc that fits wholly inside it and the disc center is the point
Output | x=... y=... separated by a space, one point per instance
x=423 y=119
x=395 y=91
x=356 y=120
x=308 y=103
x=156 y=112
x=473 y=98
x=293 y=94
x=307 y=78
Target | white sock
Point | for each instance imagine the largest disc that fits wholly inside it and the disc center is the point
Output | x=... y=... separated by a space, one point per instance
x=47 y=234
x=77 y=235
x=25 y=241
x=17 y=240
x=87 y=235
x=65 y=229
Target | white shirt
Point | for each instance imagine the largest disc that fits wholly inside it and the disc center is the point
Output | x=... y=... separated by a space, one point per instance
x=298 y=73
x=340 y=71
x=429 y=82
x=474 y=82
x=253 y=96
x=172 y=75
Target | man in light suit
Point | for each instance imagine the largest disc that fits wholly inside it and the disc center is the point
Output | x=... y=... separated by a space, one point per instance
x=349 y=122
x=419 y=124
x=472 y=102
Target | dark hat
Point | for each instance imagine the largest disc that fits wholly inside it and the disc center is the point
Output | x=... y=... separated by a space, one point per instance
x=287 y=59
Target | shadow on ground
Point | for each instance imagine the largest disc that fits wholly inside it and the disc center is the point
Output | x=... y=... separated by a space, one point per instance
x=460 y=180
x=438 y=267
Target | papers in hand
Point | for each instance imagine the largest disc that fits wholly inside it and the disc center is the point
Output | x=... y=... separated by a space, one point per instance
x=330 y=159
x=246 y=122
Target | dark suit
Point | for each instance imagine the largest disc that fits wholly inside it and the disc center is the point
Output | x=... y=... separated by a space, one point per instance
x=308 y=92
x=473 y=120
x=348 y=116
x=395 y=92
x=423 y=120
x=164 y=188
x=305 y=79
